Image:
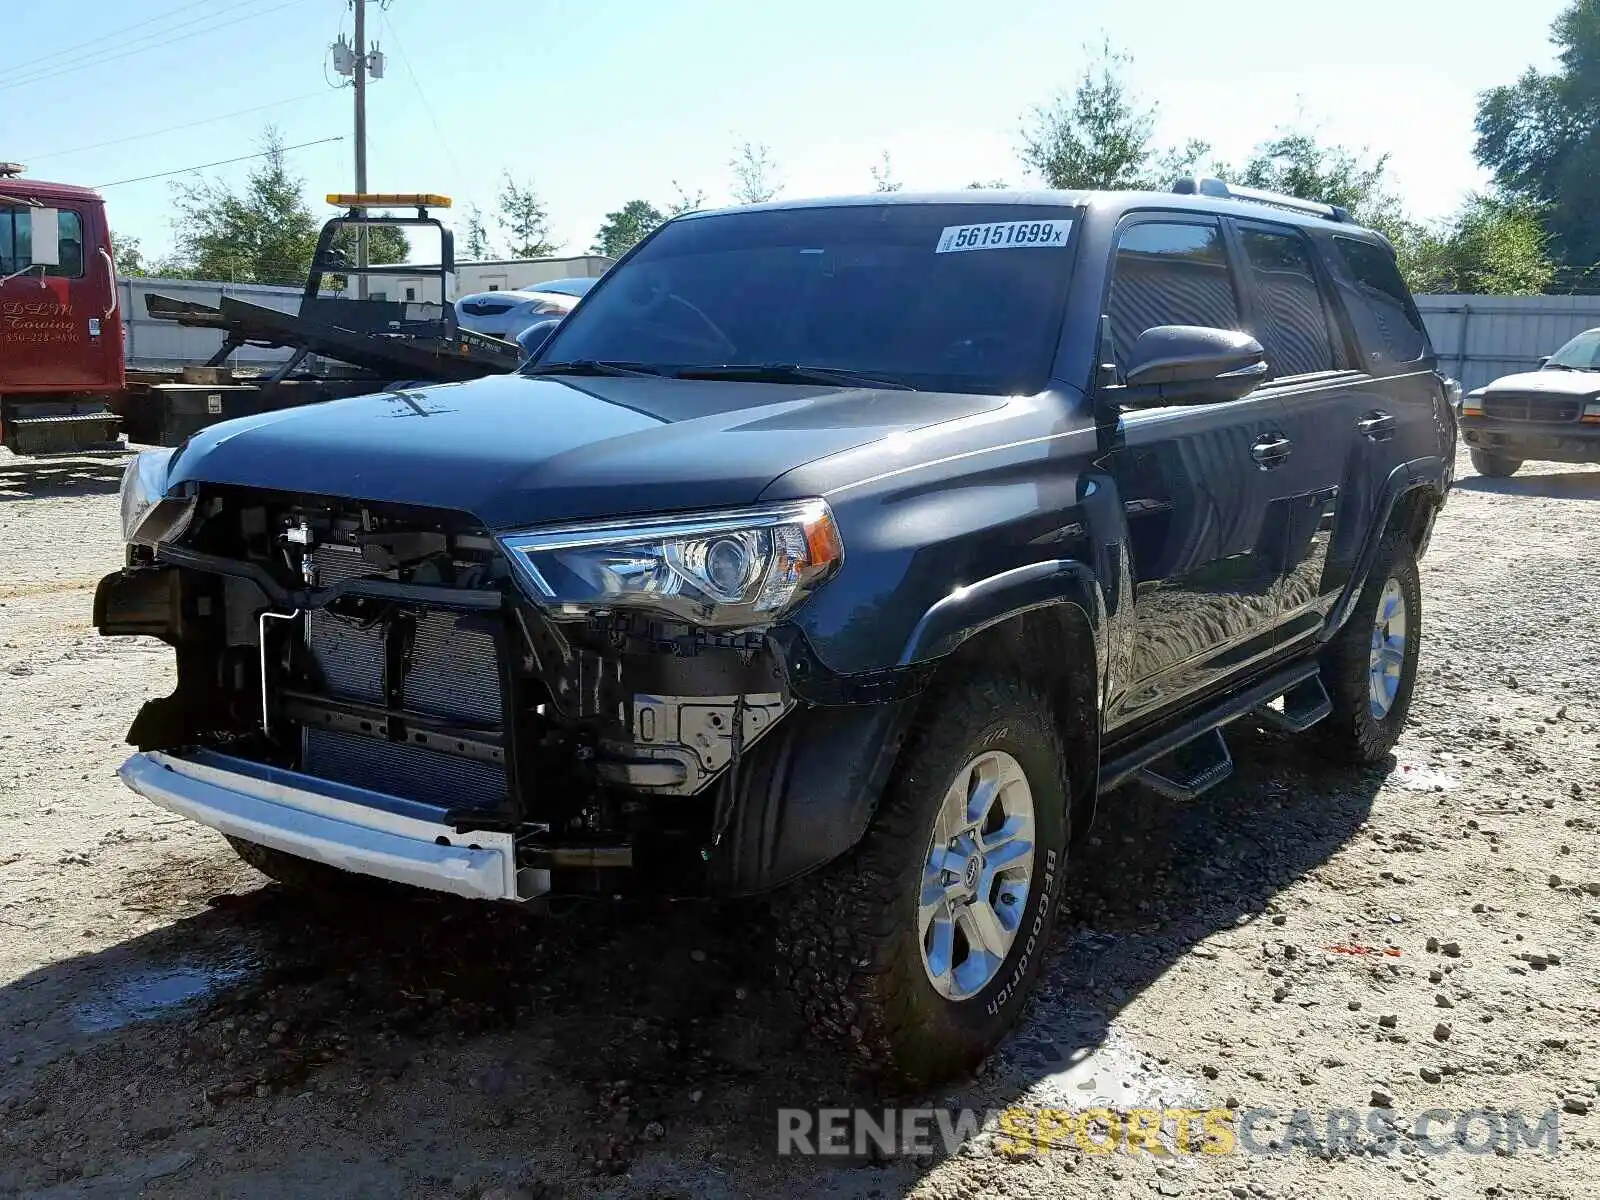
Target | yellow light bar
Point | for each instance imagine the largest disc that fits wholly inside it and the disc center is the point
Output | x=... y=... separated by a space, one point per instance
x=389 y=200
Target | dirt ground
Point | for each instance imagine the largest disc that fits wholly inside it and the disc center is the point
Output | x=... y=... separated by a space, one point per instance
x=1421 y=936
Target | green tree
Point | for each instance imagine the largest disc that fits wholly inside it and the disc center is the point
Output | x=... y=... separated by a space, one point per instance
x=1298 y=163
x=385 y=244
x=475 y=238
x=755 y=174
x=1098 y=135
x=523 y=220
x=683 y=202
x=883 y=179
x=1491 y=246
x=1540 y=136
x=264 y=233
x=127 y=256
x=626 y=227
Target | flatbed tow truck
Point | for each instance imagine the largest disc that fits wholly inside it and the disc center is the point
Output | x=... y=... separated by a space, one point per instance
x=63 y=384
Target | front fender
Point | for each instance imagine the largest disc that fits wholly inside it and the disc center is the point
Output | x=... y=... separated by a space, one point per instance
x=969 y=610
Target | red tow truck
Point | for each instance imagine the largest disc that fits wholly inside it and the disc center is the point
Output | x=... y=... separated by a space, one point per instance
x=61 y=356
x=63 y=382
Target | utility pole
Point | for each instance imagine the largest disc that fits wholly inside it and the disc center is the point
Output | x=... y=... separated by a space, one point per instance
x=359 y=65
x=361 y=135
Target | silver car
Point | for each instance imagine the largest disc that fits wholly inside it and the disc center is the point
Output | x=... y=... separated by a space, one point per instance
x=506 y=314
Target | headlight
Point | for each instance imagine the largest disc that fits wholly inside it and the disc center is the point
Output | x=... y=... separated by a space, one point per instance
x=728 y=569
x=1472 y=404
x=147 y=516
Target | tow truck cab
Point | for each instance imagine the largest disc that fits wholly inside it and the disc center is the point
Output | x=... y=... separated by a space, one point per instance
x=61 y=352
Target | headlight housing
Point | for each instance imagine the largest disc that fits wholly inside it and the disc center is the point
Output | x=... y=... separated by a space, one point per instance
x=148 y=516
x=732 y=569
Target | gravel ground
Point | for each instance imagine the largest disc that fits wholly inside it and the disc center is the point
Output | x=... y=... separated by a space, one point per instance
x=1420 y=936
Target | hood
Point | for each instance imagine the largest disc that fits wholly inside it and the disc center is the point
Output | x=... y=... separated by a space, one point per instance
x=517 y=451
x=1552 y=383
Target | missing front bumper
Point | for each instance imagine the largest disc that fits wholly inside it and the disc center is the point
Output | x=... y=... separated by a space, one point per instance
x=365 y=832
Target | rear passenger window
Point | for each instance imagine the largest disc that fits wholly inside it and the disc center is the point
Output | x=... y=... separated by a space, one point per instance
x=1168 y=273
x=1381 y=296
x=1294 y=323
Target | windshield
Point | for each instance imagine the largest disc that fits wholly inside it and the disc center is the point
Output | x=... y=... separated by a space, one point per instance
x=941 y=297
x=1577 y=355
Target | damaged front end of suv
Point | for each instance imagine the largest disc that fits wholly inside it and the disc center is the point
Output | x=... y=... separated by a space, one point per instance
x=403 y=693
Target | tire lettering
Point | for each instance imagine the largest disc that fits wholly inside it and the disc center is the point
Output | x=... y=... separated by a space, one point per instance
x=1039 y=924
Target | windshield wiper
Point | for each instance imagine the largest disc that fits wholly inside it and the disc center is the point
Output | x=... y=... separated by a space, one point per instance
x=593 y=366
x=789 y=373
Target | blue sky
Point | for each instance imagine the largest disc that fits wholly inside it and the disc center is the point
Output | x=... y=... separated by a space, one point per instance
x=601 y=101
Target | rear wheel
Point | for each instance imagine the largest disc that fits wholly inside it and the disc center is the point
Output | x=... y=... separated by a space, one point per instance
x=1370 y=668
x=916 y=952
x=1495 y=466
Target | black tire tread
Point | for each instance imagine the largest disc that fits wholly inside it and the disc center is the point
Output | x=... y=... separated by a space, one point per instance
x=1350 y=733
x=840 y=948
x=1494 y=466
x=302 y=875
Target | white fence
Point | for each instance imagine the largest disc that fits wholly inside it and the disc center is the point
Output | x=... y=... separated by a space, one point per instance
x=1480 y=338
x=152 y=344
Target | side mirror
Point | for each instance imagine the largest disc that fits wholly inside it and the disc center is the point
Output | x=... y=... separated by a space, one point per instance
x=532 y=339
x=1544 y=360
x=1191 y=364
x=44 y=231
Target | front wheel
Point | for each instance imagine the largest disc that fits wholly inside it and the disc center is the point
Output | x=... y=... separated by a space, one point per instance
x=1370 y=668
x=1494 y=466
x=917 y=950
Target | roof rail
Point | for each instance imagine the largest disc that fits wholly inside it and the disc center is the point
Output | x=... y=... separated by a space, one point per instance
x=1198 y=186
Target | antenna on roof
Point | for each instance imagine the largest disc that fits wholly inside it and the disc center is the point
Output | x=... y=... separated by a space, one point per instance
x=1198 y=186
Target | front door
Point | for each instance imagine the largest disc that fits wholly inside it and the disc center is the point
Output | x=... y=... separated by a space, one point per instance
x=59 y=328
x=1197 y=485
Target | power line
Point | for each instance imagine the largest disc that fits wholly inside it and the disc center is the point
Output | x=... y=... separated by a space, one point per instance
x=170 y=129
x=405 y=61
x=38 y=59
x=221 y=162
x=93 y=61
x=35 y=72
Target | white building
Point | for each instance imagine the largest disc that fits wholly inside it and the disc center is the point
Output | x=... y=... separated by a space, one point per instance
x=493 y=275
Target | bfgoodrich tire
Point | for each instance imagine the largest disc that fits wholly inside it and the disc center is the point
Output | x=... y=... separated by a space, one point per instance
x=1370 y=668
x=1495 y=466
x=916 y=952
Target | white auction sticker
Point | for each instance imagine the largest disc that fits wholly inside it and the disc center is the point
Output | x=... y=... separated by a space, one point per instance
x=1003 y=235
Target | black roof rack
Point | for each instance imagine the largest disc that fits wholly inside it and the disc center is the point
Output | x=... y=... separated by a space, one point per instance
x=1198 y=186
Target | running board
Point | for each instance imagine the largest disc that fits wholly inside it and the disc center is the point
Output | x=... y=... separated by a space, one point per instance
x=1131 y=765
x=1303 y=706
x=1191 y=769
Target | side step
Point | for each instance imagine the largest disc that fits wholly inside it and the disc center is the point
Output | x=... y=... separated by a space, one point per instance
x=1303 y=706
x=1190 y=769
x=1208 y=763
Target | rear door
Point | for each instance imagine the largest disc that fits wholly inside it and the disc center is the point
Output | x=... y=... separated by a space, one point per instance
x=1325 y=487
x=59 y=325
x=1195 y=483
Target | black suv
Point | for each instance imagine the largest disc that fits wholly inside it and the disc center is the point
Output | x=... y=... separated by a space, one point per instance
x=1552 y=414
x=846 y=550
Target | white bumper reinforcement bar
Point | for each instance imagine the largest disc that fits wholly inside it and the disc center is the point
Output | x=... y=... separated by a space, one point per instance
x=346 y=827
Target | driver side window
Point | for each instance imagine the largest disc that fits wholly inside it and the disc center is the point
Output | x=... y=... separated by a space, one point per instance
x=1169 y=273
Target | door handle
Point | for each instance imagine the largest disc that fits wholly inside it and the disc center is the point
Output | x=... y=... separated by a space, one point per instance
x=1376 y=426
x=111 y=277
x=1271 y=451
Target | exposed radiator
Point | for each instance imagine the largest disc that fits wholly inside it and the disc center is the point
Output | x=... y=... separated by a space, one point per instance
x=452 y=672
x=397 y=769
